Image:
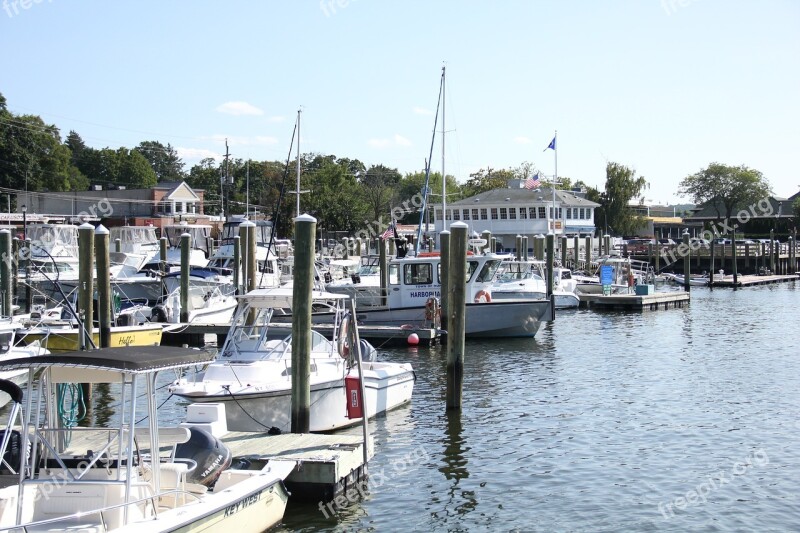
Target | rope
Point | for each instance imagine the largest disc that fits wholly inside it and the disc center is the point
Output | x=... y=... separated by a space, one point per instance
x=75 y=410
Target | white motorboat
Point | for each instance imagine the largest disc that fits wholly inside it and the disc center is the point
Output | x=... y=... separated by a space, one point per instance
x=205 y=307
x=695 y=280
x=9 y=348
x=413 y=281
x=526 y=280
x=124 y=477
x=251 y=376
x=623 y=274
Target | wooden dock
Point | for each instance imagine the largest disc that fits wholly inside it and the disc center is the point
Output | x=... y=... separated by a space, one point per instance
x=328 y=464
x=634 y=302
x=192 y=334
x=749 y=281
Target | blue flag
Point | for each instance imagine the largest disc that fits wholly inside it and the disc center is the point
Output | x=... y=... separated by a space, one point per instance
x=552 y=145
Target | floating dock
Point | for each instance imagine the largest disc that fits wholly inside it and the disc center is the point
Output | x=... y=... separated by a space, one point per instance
x=328 y=465
x=634 y=302
x=749 y=280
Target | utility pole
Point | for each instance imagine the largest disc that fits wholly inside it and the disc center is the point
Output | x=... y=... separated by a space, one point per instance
x=227 y=181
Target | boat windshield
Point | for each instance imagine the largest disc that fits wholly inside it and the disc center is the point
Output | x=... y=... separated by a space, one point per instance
x=487 y=272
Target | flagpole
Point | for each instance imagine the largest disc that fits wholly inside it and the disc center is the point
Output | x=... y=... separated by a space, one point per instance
x=555 y=178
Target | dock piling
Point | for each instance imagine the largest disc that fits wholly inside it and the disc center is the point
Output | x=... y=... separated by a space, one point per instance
x=456 y=322
x=7 y=264
x=101 y=250
x=686 y=262
x=444 y=258
x=305 y=233
x=186 y=247
x=237 y=261
x=86 y=284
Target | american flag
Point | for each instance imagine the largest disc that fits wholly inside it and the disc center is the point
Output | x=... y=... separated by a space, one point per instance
x=533 y=182
x=388 y=233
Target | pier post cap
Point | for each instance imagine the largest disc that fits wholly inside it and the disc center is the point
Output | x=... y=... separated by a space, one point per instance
x=305 y=217
x=445 y=232
x=101 y=230
x=86 y=226
x=459 y=225
x=5 y=231
x=164 y=238
x=247 y=224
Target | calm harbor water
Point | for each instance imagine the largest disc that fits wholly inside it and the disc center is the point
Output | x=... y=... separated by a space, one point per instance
x=679 y=420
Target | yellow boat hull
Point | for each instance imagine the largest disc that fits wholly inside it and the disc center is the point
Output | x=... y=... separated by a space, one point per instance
x=66 y=340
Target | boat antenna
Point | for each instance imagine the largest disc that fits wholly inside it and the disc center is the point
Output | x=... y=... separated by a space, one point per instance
x=426 y=188
x=276 y=216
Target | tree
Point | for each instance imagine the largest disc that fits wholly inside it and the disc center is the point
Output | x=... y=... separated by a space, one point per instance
x=621 y=186
x=206 y=175
x=379 y=188
x=726 y=188
x=163 y=159
x=487 y=180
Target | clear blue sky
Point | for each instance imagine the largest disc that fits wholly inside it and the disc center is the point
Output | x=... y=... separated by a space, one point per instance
x=663 y=86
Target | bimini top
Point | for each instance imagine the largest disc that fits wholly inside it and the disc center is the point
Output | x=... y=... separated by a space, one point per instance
x=126 y=360
x=281 y=298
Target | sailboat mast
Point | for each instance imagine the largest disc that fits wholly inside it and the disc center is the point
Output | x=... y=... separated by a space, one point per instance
x=297 y=188
x=444 y=179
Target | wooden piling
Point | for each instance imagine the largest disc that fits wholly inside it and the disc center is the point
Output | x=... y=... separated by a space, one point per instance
x=525 y=248
x=186 y=248
x=163 y=244
x=244 y=242
x=563 y=251
x=551 y=256
x=358 y=247
x=747 y=257
x=7 y=264
x=210 y=247
x=16 y=246
x=104 y=313
x=444 y=274
x=518 y=248
x=686 y=263
x=305 y=230
x=86 y=284
x=118 y=245
x=383 y=270
x=772 y=250
x=734 y=266
x=237 y=261
x=711 y=264
x=493 y=248
x=456 y=322
x=346 y=246
x=28 y=284
x=251 y=282
x=576 y=243
x=588 y=245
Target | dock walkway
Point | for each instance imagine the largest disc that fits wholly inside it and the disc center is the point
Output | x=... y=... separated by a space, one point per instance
x=634 y=302
x=749 y=280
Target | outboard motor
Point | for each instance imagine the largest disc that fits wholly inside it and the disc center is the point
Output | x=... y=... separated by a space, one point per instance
x=158 y=314
x=210 y=454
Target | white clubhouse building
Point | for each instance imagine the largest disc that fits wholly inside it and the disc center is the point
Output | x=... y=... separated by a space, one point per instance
x=516 y=210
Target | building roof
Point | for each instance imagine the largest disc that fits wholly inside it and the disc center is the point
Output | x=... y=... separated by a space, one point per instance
x=542 y=195
x=777 y=207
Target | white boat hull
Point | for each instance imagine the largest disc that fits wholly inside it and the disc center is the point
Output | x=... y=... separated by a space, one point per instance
x=245 y=410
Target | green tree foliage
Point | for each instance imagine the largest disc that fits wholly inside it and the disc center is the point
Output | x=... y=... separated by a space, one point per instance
x=486 y=180
x=206 y=175
x=796 y=208
x=32 y=156
x=726 y=188
x=163 y=159
x=622 y=186
x=379 y=189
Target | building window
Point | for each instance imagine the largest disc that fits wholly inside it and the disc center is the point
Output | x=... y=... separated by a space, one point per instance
x=542 y=212
x=512 y=213
x=532 y=212
x=438 y=214
x=474 y=214
x=503 y=213
x=558 y=213
x=456 y=214
x=466 y=214
x=523 y=212
x=494 y=213
x=589 y=213
x=581 y=213
x=447 y=215
x=569 y=213
x=483 y=214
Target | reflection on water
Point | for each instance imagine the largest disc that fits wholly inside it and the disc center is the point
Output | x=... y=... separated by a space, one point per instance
x=459 y=501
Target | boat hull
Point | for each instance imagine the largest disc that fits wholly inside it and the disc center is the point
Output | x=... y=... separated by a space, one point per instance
x=272 y=408
x=66 y=339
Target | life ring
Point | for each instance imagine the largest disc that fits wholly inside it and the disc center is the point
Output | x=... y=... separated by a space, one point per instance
x=483 y=297
x=343 y=339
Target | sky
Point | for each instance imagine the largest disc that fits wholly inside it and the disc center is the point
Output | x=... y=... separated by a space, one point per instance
x=665 y=87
